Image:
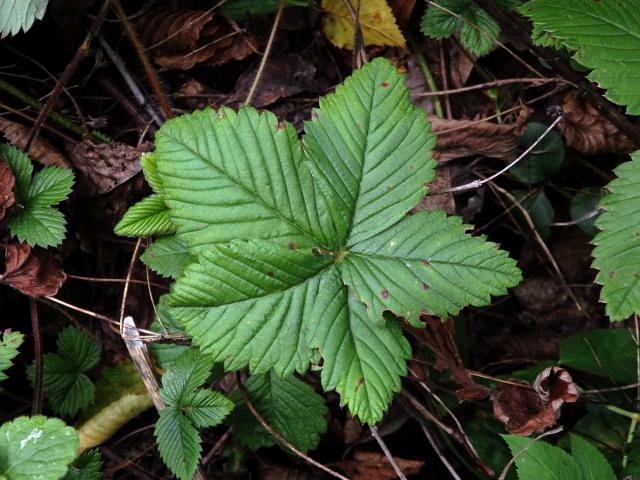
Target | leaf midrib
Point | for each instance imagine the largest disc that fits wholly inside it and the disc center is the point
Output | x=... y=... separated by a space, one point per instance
x=259 y=200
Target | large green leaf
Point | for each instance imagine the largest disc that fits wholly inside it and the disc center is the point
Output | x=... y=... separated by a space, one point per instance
x=617 y=252
x=288 y=405
x=593 y=464
x=604 y=34
x=36 y=448
x=16 y=15
x=271 y=239
x=178 y=442
x=541 y=461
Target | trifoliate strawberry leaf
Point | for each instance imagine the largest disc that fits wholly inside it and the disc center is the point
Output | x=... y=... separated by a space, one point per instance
x=16 y=15
x=189 y=371
x=36 y=448
x=146 y=218
x=167 y=256
x=65 y=383
x=36 y=222
x=9 y=345
x=178 y=443
x=288 y=405
x=604 y=36
x=271 y=239
x=617 y=252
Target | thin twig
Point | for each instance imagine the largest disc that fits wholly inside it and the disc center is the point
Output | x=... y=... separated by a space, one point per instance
x=428 y=76
x=505 y=471
x=36 y=404
x=66 y=75
x=280 y=438
x=133 y=86
x=436 y=449
x=495 y=83
x=580 y=219
x=217 y=446
x=125 y=291
x=387 y=452
x=152 y=76
x=114 y=280
x=445 y=79
x=80 y=309
x=478 y=183
x=267 y=51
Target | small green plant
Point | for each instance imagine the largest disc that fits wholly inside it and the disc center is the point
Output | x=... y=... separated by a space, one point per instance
x=307 y=250
x=477 y=30
x=34 y=219
x=189 y=407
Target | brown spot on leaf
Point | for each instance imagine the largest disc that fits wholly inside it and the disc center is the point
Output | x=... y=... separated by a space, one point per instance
x=281 y=125
x=269 y=274
x=292 y=245
x=611 y=274
x=426 y=262
x=384 y=294
x=425 y=286
x=385 y=84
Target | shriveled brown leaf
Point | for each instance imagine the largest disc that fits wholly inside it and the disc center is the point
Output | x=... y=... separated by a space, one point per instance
x=521 y=409
x=283 y=76
x=41 y=150
x=7 y=181
x=180 y=39
x=375 y=466
x=555 y=386
x=105 y=166
x=438 y=336
x=589 y=132
x=474 y=138
x=33 y=272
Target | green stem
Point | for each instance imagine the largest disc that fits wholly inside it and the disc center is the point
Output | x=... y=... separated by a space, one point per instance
x=36 y=105
x=633 y=425
x=431 y=83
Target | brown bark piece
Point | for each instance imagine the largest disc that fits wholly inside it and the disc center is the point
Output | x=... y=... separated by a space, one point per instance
x=7 y=181
x=33 y=272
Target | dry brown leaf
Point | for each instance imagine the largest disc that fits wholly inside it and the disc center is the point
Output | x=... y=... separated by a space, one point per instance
x=402 y=10
x=376 y=22
x=475 y=138
x=7 y=181
x=180 y=39
x=438 y=336
x=375 y=466
x=283 y=76
x=41 y=150
x=33 y=272
x=589 y=132
x=445 y=201
x=105 y=166
x=525 y=410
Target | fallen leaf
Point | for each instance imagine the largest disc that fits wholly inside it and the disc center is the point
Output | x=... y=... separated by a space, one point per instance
x=375 y=466
x=105 y=166
x=402 y=10
x=33 y=272
x=377 y=23
x=438 y=336
x=41 y=150
x=282 y=76
x=589 y=132
x=525 y=410
x=555 y=386
x=461 y=138
x=521 y=409
x=7 y=181
x=180 y=39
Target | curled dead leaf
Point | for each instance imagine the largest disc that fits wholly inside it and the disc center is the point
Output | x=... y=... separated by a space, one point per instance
x=375 y=466
x=7 y=181
x=461 y=138
x=33 y=272
x=105 y=166
x=589 y=132
x=525 y=410
x=180 y=39
x=41 y=150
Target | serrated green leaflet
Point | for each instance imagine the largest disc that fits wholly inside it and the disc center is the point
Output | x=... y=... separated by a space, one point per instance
x=288 y=405
x=9 y=345
x=617 y=252
x=276 y=225
x=178 y=443
x=85 y=467
x=592 y=463
x=541 y=461
x=605 y=36
x=16 y=15
x=167 y=256
x=148 y=217
x=36 y=447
